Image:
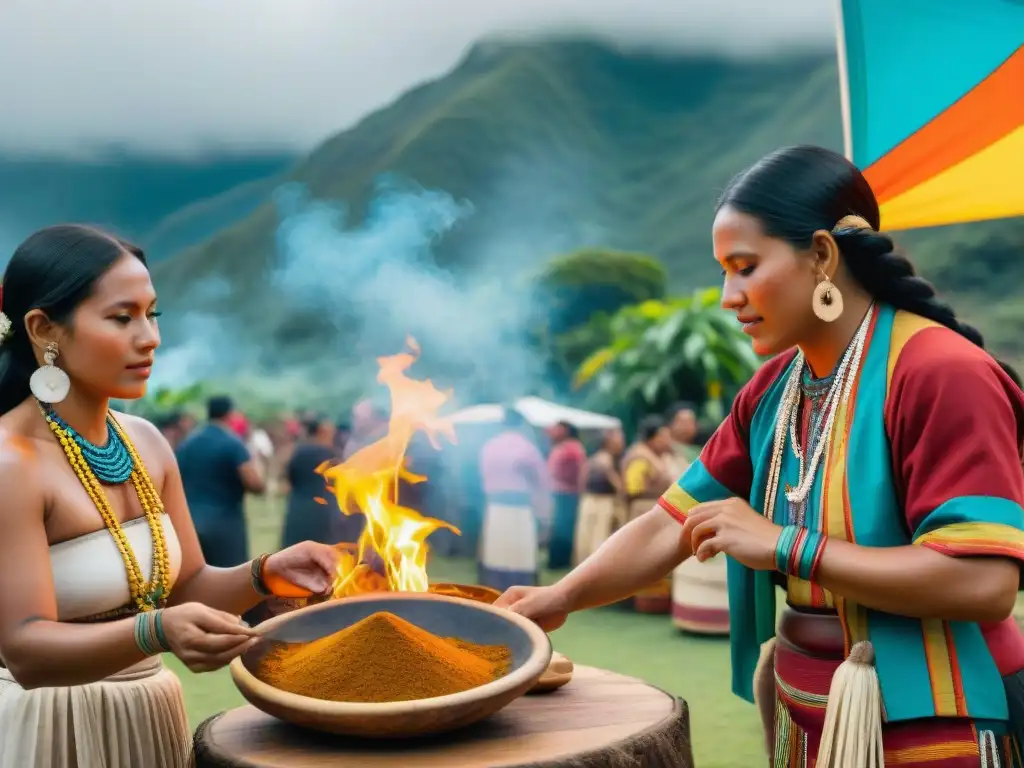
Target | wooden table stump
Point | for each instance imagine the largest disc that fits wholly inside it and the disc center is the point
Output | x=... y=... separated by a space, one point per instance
x=599 y=720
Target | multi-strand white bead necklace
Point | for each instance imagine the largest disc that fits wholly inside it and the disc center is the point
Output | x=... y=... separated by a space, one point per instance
x=788 y=417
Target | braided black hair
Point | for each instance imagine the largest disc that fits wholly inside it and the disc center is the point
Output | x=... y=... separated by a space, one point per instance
x=889 y=276
x=1012 y=373
x=797 y=191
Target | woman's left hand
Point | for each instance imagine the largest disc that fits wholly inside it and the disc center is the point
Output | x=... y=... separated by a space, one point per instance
x=735 y=528
x=308 y=564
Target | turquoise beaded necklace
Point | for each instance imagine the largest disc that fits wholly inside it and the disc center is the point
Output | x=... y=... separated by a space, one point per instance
x=111 y=463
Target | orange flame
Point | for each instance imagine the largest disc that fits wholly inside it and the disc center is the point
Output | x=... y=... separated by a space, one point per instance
x=368 y=482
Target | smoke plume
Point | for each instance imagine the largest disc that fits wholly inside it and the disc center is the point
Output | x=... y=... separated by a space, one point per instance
x=371 y=277
x=379 y=281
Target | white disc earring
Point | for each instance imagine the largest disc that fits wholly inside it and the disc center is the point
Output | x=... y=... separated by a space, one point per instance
x=827 y=302
x=49 y=384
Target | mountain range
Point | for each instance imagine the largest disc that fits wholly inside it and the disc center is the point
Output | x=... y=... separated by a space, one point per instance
x=155 y=200
x=550 y=145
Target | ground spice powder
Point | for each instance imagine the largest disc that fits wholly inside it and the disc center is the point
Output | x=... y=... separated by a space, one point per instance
x=382 y=658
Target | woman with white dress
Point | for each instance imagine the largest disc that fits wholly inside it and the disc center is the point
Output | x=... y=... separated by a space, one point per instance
x=100 y=566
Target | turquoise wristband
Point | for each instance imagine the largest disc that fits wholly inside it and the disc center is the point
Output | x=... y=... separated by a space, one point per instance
x=158 y=626
x=784 y=547
x=798 y=551
x=806 y=554
x=142 y=639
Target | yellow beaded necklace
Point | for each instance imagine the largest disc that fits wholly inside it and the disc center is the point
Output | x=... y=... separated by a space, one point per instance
x=146 y=595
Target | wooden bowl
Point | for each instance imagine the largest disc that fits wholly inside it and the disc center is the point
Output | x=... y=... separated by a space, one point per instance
x=468 y=620
x=558 y=673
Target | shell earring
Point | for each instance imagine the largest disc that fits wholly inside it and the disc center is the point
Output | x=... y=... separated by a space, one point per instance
x=827 y=301
x=49 y=384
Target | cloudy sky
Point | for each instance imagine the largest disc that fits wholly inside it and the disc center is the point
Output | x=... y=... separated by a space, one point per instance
x=177 y=75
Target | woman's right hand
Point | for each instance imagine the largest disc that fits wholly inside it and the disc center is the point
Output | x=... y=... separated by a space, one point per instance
x=204 y=638
x=548 y=607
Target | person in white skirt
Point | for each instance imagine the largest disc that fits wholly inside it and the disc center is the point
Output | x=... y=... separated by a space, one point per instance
x=602 y=505
x=101 y=571
x=517 y=489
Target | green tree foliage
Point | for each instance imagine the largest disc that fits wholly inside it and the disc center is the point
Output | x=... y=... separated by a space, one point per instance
x=255 y=402
x=579 y=285
x=576 y=294
x=661 y=351
x=165 y=400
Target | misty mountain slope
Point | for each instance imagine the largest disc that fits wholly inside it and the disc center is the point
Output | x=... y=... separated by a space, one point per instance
x=127 y=192
x=559 y=145
x=572 y=141
x=204 y=217
x=197 y=221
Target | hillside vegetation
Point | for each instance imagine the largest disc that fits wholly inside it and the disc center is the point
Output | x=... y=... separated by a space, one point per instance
x=157 y=201
x=572 y=144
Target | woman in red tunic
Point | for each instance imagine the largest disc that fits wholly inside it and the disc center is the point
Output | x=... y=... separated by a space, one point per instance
x=871 y=469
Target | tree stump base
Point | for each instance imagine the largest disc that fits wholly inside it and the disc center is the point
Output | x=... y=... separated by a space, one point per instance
x=599 y=720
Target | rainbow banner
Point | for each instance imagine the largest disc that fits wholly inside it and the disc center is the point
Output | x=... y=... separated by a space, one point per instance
x=933 y=103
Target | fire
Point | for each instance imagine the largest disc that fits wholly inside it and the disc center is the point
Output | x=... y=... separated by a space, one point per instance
x=368 y=483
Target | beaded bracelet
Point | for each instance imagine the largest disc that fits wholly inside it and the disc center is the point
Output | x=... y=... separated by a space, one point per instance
x=798 y=551
x=158 y=627
x=256 y=576
x=149 y=633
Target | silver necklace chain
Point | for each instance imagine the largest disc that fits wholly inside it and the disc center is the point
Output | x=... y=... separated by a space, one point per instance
x=989 y=750
x=787 y=419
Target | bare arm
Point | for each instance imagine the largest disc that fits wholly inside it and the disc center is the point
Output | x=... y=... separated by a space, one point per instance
x=920 y=582
x=227 y=589
x=284 y=478
x=638 y=554
x=36 y=648
x=252 y=477
x=608 y=465
x=581 y=479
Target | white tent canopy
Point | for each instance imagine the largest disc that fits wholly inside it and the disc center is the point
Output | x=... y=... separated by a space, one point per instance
x=538 y=412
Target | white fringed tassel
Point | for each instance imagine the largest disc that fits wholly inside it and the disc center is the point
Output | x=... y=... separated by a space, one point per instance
x=766 y=694
x=852 y=735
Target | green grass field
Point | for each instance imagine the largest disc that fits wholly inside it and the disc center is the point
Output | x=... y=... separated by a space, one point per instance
x=725 y=729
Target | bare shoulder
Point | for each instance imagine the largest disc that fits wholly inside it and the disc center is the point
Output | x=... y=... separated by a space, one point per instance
x=148 y=439
x=21 y=473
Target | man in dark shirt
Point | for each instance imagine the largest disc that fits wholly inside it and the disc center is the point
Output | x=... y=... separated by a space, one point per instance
x=217 y=471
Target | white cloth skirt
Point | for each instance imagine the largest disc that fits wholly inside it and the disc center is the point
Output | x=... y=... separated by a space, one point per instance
x=135 y=719
x=508 y=543
x=700 y=596
x=598 y=518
